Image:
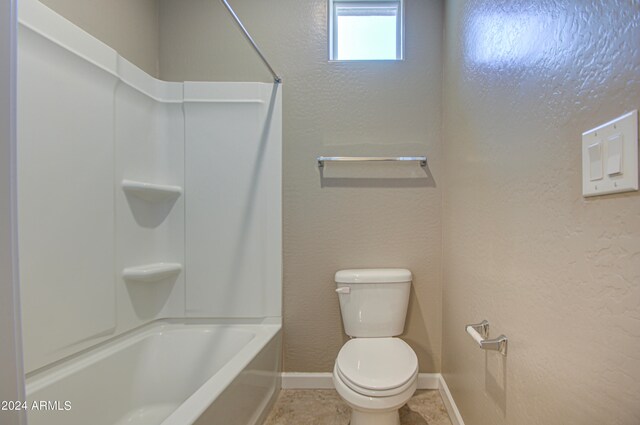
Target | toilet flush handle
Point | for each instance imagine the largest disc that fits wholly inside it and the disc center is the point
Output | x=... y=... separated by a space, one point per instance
x=343 y=290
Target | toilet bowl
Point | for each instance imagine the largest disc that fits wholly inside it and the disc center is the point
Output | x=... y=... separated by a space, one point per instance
x=375 y=372
x=375 y=377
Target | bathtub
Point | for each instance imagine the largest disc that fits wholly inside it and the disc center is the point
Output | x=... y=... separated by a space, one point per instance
x=169 y=372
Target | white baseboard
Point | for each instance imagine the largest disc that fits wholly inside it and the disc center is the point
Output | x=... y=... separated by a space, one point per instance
x=324 y=381
x=428 y=381
x=449 y=402
x=306 y=381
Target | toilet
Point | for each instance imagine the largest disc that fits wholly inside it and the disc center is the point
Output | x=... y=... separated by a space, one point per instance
x=375 y=372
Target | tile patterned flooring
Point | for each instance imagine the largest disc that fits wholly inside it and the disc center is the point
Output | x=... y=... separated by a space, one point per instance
x=325 y=407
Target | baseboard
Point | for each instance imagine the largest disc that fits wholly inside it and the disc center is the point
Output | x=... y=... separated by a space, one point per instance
x=449 y=402
x=324 y=381
x=306 y=381
x=428 y=381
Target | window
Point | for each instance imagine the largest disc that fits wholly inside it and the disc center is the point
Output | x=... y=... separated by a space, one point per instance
x=365 y=30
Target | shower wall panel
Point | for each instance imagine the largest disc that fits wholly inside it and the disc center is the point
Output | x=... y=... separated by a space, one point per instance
x=65 y=200
x=149 y=147
x=233 y=232
x=87 y=120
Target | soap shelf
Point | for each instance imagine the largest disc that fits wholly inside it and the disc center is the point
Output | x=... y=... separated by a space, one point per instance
x=151 y=192
x=151 y=272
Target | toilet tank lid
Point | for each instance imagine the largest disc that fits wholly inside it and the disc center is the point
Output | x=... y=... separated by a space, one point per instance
x=373 y=276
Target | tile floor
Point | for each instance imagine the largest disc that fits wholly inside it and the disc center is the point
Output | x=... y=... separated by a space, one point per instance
x=325 y=407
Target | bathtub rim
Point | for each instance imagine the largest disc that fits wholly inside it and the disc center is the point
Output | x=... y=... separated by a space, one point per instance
x=194 y=406
x=197 y=402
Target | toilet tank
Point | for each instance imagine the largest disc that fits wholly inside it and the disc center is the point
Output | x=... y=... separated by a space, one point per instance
x=373 y=302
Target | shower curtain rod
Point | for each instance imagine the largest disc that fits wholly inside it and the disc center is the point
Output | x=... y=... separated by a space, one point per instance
x=276 y=79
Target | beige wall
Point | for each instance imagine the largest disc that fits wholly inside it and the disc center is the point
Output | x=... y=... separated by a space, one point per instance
x=386 y=108
x=128 y=26
x=557 y=273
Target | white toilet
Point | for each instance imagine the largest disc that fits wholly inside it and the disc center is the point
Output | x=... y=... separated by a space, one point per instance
x=375 y=373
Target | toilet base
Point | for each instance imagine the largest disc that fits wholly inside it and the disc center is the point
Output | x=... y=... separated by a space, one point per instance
x=359 y=417
x=368 y=410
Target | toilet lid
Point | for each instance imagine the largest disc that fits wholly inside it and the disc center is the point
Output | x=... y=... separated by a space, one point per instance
x=377 y=363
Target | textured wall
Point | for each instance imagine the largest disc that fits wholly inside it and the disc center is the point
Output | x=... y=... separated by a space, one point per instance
x=557 y=273
x=128 y=26
x=385 y=108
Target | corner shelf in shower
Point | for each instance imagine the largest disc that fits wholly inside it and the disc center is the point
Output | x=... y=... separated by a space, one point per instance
x=150 y=191
x=151 y=272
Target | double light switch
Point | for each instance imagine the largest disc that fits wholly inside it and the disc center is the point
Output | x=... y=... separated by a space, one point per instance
x=610 y=157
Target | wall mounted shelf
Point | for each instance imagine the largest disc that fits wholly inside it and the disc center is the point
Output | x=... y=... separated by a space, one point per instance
x=151 y=272
x=151 y=192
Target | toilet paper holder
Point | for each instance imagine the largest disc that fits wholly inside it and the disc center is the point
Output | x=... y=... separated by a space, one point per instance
x=480 y=334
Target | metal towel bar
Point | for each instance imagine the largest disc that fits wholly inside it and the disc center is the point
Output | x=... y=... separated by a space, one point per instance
x=480 y=332
x=321 y=159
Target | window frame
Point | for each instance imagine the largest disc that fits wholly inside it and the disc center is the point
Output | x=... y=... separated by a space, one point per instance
x=332 y=29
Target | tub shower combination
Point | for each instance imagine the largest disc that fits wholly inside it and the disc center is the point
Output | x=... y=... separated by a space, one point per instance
x=149 y=237
x=169 y=372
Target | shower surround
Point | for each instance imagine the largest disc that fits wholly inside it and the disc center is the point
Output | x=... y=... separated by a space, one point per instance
x=141 y=200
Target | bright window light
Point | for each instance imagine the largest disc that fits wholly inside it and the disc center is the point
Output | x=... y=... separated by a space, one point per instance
x=365 y=30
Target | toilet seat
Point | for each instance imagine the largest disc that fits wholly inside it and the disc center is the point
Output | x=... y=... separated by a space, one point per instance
x=377 y=367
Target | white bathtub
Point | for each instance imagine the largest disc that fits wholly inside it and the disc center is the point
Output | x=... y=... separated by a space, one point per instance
x=170 y=372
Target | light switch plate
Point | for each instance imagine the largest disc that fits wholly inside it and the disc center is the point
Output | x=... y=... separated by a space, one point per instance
x=618 y=140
